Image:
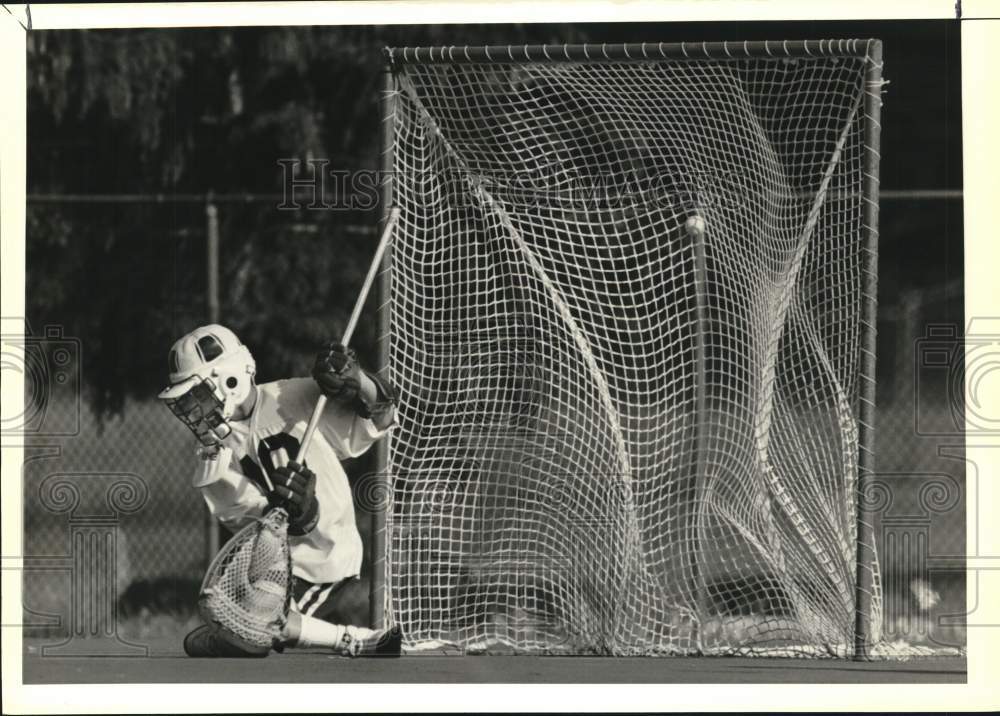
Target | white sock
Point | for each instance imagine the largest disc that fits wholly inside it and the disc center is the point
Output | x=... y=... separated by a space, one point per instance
x=316 y=632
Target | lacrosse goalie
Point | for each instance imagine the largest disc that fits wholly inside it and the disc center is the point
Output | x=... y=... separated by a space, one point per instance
x=249 y=435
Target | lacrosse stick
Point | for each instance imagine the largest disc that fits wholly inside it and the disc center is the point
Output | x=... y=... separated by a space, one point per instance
x=351 y=325
x=247 y=588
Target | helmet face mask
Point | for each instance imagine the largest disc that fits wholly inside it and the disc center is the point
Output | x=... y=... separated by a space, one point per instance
x=211 y=376
x=201 y=410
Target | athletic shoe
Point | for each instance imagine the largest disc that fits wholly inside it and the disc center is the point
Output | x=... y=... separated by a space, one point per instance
x=383 y=643
x=208 y=641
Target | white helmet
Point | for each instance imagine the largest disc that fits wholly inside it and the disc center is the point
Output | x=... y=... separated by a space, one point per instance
x=211 y=373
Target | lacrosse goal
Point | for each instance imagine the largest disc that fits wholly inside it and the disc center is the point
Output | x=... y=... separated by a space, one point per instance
x=630 y=306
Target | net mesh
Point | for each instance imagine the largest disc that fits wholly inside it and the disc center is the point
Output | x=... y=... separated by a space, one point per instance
x=247 y=587
x=618 y=432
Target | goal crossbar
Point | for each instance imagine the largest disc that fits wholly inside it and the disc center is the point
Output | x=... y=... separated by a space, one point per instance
x=633 y=52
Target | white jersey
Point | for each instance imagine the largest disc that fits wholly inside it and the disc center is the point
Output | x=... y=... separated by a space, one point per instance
x=232 y=479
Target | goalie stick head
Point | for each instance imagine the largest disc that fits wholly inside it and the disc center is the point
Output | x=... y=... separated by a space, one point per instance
x=246 y=591
x=211 y=374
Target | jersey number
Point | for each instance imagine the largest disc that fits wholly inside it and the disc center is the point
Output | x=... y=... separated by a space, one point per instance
x=265 y=453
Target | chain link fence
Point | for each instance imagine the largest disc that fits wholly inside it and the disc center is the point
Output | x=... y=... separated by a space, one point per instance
x=920 y=495
x=113 y=530
x=156 y=543
x=112 y=495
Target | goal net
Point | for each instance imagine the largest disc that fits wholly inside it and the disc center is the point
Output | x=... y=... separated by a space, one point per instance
x=630 y=312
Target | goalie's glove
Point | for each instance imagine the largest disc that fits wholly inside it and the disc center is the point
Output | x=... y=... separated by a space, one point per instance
x=295 y=491
x=338 y=374
x=340 y=377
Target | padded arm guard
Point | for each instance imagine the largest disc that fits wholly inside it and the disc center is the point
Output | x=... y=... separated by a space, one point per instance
x=382 y=411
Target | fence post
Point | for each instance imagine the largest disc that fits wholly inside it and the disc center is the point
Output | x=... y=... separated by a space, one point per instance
x=212 y=542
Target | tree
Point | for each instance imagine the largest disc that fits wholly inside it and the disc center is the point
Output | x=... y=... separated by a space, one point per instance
x=189 y=111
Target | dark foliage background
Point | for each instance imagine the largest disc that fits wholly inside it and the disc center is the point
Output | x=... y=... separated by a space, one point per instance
x=190 y=111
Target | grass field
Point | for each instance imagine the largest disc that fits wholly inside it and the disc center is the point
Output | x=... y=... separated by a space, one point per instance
x=166 y=664
x=161 y=660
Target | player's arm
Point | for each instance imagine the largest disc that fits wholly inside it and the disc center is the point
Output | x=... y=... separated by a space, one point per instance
x=342 y=380
x=236 y=501
x=231 y=498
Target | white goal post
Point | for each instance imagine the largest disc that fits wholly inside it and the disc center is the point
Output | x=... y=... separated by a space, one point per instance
x=630 y=305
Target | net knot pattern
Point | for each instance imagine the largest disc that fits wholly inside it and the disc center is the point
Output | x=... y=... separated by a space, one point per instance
x=621 y=432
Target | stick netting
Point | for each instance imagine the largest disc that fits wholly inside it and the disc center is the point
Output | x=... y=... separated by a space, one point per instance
x=617 y=435
x=247 y=587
